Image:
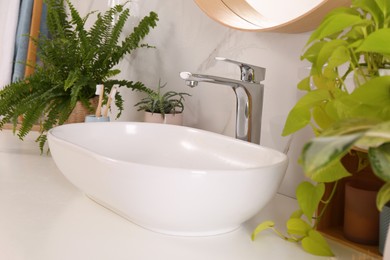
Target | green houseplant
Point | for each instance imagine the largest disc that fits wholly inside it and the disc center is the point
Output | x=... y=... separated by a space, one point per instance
x=72 y=62
x=350 y=42
x=170 y=102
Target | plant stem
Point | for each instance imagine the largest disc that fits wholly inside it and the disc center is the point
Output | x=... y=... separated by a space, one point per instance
x=325 y=203
x=292 y=239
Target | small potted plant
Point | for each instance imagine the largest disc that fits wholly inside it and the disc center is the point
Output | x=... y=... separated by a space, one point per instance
x=163 y=107
x=74 y=60
x=351 y=42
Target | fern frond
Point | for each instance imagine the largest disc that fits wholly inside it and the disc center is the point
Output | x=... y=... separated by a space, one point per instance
x=73 y=61
x=57 y=23
x=132 y=41
x=79 y=26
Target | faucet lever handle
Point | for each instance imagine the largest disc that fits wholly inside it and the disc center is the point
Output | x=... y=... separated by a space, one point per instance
x=249 y=73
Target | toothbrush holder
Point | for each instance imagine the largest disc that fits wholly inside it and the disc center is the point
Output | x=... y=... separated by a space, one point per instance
x=93 y=118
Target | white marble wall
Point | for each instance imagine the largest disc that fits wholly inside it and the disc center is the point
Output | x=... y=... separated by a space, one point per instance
x=187 y=40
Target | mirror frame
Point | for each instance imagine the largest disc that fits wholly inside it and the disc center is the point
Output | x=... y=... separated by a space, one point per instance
x=240 y=15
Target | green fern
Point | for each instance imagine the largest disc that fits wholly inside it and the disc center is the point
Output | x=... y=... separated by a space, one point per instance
x=73 y=61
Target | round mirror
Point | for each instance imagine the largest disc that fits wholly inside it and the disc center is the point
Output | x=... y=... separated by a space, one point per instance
x=276 y=15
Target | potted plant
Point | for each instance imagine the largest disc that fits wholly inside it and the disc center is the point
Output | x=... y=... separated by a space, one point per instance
x=350 y=41
x=73 y=61
x=163 y=107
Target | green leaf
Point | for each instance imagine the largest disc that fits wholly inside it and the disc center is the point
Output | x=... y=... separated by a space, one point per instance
x=323 y=151
x=372 y=99
x=297 y=214
x=340 y=108
x=384 y=6
x=372 y=7
x=335 y=23
x=380 y=161
x=329 y=173
x=297 y=226
x=353 y=125
x=297 y=119
x=383 y=196
x=322 y=118
x=377 y=42
x=309 y=196
x=374 y=92
x=377 y=135
x=338 y=57
x=316 y=244
x=300 y=114
x=327 y=51
x=314 y=97
x=71 y=79
x=261 y=227
x=312 y=52
x=304 y=84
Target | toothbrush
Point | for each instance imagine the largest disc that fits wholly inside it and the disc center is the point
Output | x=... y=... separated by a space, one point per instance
x=100 y=93
x=110 y=98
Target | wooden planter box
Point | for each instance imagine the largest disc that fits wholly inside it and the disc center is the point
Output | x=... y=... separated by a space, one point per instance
x=331 y=224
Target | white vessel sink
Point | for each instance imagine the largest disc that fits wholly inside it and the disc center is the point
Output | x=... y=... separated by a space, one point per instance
x=171 y=179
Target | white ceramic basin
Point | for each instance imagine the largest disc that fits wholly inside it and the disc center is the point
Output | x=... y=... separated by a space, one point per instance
x=170 y=179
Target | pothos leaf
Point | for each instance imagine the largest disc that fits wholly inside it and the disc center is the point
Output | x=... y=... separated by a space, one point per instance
x=338 y=22
x=297 y=214
x=380 y=161
x=300 y=115
x=377 y=42
x=304 y=84
x=329 y=173
x=262 y=226
x=324 y=151
x=383 y=196
x=316 y=244
x=297 y=226
x=309 y=196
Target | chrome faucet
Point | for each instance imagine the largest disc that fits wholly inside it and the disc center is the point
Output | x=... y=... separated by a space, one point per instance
x=249 y=96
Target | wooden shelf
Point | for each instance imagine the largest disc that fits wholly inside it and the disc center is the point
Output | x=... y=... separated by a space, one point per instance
x=336 y=234
x=331 y=224
x=11 y=127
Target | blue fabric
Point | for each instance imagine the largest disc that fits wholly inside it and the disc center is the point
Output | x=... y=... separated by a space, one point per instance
x=43 y=29
x=22 y=39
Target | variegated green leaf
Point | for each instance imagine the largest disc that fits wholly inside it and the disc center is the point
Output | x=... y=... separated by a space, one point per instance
x=329 y=173
x=324 y=151
x=380 y=161
x=383 y=196
x=376 y=136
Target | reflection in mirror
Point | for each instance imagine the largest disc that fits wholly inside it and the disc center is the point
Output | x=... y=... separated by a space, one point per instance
x=276 y=15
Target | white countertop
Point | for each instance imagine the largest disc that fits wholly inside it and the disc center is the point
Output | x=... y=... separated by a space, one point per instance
x=44 y=217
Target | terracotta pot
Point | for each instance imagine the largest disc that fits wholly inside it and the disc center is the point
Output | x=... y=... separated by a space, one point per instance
x=173 y=119
x=361 y=217
x=80 y=111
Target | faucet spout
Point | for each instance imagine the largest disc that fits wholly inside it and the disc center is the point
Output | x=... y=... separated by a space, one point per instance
x=249 y=97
